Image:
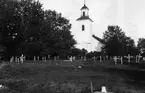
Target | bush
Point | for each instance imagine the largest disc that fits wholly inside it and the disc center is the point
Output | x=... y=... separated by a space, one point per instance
x=5 y=70
x=124 y=90
x=16 y=84
x=57 y=87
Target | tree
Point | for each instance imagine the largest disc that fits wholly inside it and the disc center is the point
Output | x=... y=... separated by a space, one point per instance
x=116 y=42
x=113 y=37
x=8 y=26
x=141 y=44
x=130 y=47
x=56 y=35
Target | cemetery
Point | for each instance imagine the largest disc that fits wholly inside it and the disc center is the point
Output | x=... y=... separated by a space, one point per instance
x=43 y=51
x=117 y=73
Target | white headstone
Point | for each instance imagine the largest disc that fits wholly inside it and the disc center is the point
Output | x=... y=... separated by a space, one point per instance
x=143 y=58
x=79 y=66
x=21 y=58
x=34 y=58
x=115 y=59
x=136 y=58
x=71 y=58
x=12 y=59
x=74 y=58
x=103 y=89
x=121 y=60
x=38 y=58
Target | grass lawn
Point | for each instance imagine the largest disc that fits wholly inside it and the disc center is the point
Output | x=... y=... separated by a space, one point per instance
x=128 y=76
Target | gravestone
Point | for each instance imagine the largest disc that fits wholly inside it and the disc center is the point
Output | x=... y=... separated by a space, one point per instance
x=128 y=57
x=22 y=58
x=143 y=58
x=139 y=56
x=12 y=59
x=71 y=59
x=38 y=58
x=34 y=58
x=115 y=59
x=100 y=58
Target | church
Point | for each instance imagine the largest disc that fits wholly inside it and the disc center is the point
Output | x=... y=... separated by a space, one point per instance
x=84 y=33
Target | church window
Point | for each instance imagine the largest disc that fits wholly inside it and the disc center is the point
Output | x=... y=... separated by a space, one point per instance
x=83 y=27
x=83 y=13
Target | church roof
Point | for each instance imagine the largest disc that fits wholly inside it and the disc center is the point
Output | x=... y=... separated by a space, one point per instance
x=84 y=7
x=99 y=39
x=85 y=18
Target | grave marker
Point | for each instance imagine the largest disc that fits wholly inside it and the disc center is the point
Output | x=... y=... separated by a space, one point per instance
x=71 y=58
x=115 y=59
x=34 y=58
x=22 y=58
x=121 y=60
x=12 y=59
x=38 y=58
x=139 y=56
x=100 y=58
x=85 y=58
x=128 y=57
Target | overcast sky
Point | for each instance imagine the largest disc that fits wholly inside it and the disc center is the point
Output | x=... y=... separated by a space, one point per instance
x=128 y=14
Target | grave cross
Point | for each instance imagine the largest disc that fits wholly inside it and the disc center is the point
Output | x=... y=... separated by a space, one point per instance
x=115 y=59
x=22 y=58
x=128 y=57
x=139 y=56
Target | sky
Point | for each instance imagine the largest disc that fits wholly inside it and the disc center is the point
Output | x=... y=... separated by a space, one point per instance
x=128 y=14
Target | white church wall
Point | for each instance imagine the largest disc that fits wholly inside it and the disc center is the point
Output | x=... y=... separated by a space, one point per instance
x=84 y=36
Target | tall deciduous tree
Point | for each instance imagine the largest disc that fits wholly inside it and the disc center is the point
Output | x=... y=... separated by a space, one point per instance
x=56 y=35
x=116 y=42
x=113 y=37
x=21 y=21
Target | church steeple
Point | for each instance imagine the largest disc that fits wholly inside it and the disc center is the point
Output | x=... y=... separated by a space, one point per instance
x=84 y=13
x=84 y=32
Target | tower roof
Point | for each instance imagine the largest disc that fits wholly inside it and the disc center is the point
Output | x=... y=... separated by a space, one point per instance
x=85 y=18
x=84 y=7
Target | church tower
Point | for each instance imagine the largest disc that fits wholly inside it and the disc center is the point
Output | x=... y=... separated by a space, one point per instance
x=84 y=29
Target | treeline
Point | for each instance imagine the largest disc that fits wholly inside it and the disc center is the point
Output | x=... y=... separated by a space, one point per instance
x=26 y=28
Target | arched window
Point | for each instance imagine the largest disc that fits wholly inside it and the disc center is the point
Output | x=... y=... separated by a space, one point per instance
x=83 y=27
x=83 y=13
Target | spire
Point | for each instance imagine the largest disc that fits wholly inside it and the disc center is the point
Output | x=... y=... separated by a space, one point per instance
x=84 y=7
x=84 y=2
